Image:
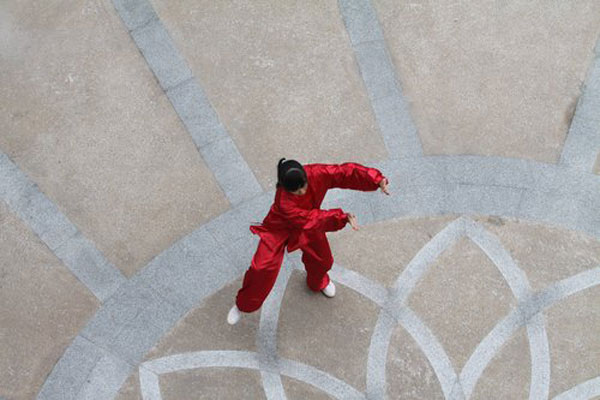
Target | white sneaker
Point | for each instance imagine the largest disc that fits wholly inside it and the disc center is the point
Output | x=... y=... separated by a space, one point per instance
x=234 y=315
x=329 y=290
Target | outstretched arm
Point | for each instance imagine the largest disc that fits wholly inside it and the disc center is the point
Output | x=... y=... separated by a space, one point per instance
x=351 y=176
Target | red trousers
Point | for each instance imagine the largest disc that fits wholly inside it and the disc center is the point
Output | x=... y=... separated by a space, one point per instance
x=266 y=263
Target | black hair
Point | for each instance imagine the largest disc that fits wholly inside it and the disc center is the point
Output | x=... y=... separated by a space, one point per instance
x=290 y=175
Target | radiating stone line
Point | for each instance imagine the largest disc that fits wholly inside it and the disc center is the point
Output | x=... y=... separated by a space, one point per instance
x=583 y=139
x=379 y=75
x=583 y=391
x=79 y=254
x=220 y=153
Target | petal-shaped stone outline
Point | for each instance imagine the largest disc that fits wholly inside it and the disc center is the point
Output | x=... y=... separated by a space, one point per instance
x=453 y=387
x=150 y=370
x=528 y=312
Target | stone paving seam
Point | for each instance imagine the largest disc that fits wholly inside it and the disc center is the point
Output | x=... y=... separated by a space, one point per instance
x=108 y=372
x=54 y=229
x=135 y=13
x=379 y=76
x=70 y=372
x=218 y=150
x=585 y=390
x=582 y=144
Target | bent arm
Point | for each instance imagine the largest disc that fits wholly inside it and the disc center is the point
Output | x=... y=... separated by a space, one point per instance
x=351 y=176
x=323 y=220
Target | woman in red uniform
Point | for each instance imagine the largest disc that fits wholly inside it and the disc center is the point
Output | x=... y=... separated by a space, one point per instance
x=295 y=221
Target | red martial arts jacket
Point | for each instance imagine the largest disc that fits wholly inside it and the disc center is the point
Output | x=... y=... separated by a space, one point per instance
x=292 y=216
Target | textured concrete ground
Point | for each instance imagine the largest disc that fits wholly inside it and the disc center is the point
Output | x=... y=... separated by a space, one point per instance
x=139 y=140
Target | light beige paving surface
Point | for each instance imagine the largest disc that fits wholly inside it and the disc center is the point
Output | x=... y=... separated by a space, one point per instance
x=491 y=77
x=130 y=390
x=296 y=390
x=281 y=76
x=382 y=250
x=42 y=308
x=85 y=119
x=213 y=383
x=509 y=373
x=205 y=328
x=409 y=373
x=330 y=334
x=461 y=298
x=574 y=340
x=546 y=254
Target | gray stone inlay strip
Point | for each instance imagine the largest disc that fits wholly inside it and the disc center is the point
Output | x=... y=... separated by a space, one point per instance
x=220 y=153
x=377 y=293
x=492 y=186
x=53 y=228
x=150 y=370
x=377 y=357
x=585 y=390
x=319 y=379
x=520 y=316
x=379 y=75
x=539 y=387
x=176 y=276
x=431 y=347
x=109 y=371
x=92 y=372
x=452 y=387
x=583 y=139
x=266 y=342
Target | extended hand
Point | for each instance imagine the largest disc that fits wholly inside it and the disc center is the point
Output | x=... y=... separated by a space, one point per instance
x=353 y=221
x=383 y=185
